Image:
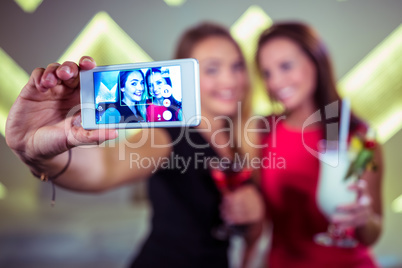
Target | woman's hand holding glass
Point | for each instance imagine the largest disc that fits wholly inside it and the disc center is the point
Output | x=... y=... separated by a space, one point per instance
x=243 y=206
x=356 y=214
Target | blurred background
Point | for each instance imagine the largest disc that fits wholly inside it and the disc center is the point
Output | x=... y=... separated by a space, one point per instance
x=106 y=230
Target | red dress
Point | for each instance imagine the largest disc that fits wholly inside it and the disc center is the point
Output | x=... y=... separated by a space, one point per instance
x=289 y=183
x=155 y=113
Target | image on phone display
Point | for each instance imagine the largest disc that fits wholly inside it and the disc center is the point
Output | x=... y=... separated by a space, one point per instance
x=138 y=95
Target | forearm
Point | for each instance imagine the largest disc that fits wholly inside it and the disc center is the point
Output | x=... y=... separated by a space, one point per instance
x=87 y=171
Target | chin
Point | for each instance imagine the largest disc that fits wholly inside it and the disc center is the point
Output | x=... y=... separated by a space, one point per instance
x=226 y=111
x=289 y=105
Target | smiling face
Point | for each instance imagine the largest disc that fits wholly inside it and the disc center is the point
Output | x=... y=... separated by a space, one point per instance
x=156 y=84
x=133 y=87
x=223 y=78
x=289 y=74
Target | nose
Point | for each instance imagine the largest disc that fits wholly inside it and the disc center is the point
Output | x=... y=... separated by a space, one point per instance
x=275 y=81
x=228 y=78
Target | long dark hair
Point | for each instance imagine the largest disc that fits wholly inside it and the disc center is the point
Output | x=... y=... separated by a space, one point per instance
x=184 y=49
x=311 y=43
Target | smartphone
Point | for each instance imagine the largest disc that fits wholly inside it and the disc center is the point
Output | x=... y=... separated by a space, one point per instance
x=141 y=95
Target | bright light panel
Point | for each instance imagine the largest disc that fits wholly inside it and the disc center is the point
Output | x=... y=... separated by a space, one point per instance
x=3 y=191
x=29 y=6
x=174 y=3
x=374 y=86
x=246 y=31
x=397 y=205
x=12 y=79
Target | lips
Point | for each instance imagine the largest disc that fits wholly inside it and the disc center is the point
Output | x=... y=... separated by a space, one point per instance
x=138 y=93
x=225 y=95
x=285 y=93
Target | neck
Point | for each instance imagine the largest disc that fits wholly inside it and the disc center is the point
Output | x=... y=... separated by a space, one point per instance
x=158 y=101
x=130 y=104
x=297 y=117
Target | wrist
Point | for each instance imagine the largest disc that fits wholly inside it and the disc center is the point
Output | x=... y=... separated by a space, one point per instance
x=45 y=174
x=369 y=233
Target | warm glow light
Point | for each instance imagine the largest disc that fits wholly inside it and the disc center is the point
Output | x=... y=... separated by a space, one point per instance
x=383 y=56
x=374 y=86
x=397 y=205
x=106 y=42
x=174 y=3
x=250 y=25
x=246 y=30
x=29 y=5
x=12 y=79
x=389 y=126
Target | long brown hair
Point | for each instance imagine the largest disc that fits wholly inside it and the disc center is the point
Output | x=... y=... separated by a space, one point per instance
x=311 y=43
x=186 y=44
x=194 y=35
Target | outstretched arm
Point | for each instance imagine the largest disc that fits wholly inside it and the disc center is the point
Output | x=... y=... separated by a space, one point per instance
x=44 y=123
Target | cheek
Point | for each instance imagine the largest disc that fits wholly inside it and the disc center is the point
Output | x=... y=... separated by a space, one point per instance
x=243 y=82
x=310 y=82
x=206 y=85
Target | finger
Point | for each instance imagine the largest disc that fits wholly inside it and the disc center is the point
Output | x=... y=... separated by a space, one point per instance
x=360 y=187
x=34 y=82
x=351 y=220
x=348 y=208
x=91 y=137
x=231 y=209
x=87 y=63
x=68 y=72
x=225 y=213
x=231 y=217
x=365 y=201
x=49 y=78
x=342 y=220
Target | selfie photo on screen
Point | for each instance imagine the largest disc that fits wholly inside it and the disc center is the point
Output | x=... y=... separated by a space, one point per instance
x=139 y=95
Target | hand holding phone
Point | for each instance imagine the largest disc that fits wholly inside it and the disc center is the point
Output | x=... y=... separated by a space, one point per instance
x=44 y=121
x=141 y=95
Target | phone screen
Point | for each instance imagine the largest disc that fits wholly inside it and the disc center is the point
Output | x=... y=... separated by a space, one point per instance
x=138 y=95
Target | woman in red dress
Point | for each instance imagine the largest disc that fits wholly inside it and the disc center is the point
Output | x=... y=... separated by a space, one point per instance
x=296 y=69
x=161 y=107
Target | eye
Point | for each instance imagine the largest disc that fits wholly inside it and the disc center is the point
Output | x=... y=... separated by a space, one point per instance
x=134 y=83
x=286 y=66
x=211 y=70
x=239 y=67
x=266 y=74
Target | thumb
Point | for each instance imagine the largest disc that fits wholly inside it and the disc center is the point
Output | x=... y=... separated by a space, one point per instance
x=77 y=135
